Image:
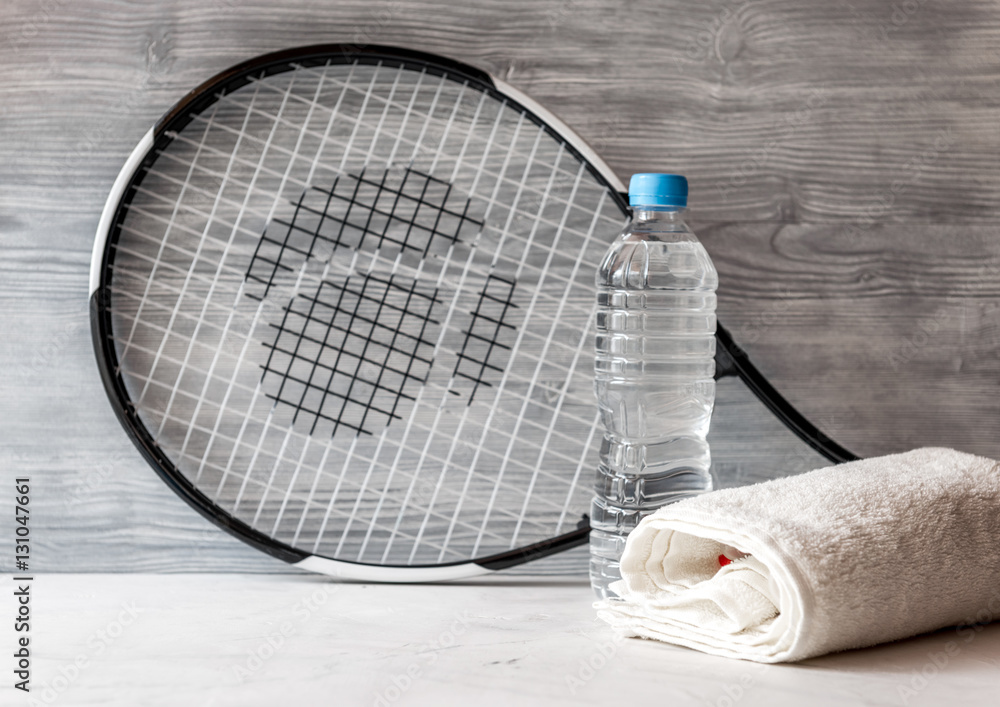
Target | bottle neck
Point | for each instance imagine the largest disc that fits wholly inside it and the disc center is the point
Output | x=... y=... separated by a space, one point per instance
x=658 y=214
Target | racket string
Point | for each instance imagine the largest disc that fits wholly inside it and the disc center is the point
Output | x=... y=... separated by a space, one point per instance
x=222 y=259
x=460 y=162
x=485 y=308
x=534 y=378
x=428 y=117
x=556 y=392
x=572 y=367
x=556 y=277
x=162 y=243
x=232 y=236
x=553 y=477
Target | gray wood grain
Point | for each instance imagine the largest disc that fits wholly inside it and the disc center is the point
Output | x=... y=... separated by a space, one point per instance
x=844 y=166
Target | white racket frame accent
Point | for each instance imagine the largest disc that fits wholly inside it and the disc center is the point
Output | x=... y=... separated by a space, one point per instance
x=395 y=575
x=111 y=207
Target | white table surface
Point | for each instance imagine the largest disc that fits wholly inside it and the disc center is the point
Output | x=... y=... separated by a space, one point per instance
x=178 y=640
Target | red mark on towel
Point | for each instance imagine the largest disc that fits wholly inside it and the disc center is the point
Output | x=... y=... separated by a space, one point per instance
x=723 y=560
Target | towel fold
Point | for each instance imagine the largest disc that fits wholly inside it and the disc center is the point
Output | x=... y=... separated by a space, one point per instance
x=842 y=557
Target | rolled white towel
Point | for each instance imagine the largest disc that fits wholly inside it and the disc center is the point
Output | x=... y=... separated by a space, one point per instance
x=842 y=557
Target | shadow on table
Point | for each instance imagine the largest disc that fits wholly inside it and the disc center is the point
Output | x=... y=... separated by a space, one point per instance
x=950 y=648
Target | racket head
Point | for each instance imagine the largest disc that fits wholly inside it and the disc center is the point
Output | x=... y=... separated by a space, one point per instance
x=340 y=302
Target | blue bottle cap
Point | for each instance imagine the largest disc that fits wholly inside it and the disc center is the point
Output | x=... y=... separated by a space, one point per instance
x=652 y=189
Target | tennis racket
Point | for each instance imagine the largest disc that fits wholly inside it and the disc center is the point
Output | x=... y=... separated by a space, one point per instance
x=341 y=301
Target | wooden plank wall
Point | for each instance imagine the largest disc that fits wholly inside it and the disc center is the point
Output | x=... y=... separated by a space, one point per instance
x=844 y=160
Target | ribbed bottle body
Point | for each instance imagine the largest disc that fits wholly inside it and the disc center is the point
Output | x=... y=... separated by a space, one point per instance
x=654 y=380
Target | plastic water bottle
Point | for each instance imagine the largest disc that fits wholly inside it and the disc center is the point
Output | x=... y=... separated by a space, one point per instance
x=654 y=366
